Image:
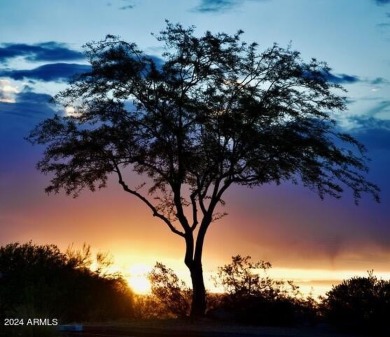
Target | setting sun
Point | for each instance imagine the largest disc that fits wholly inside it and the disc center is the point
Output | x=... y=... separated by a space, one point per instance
x=138 y=278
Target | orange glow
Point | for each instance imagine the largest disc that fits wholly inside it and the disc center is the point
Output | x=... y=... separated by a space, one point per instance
x=301 y=249
x=138 y=278
x=311 y=282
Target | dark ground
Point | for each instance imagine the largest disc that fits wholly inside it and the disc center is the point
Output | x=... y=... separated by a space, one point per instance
x=190 y=329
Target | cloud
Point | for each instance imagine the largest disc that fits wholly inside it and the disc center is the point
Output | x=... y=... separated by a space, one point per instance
x=17 y=119
x=380 y=108
x=372 y=123
x=375 y=121
x=28 y=103
x=350 y=79
x=341 y=78
x=373 y=132
x=336 y=79
x=58 y=72
x=28 y=96
x=213 y=6
x=46 y=51
x=379 y=81
x=129 y=5
x=382 y=2
x=126 y=7
x=384 y=28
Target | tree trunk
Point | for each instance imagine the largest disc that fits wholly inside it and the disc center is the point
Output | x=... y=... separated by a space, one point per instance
x=198 y=305
x=193 y=260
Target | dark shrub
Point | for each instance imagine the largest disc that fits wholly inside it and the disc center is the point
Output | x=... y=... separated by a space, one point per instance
x=40 y=281
x=251 y=297
x=170 y=296
x=360 y=304
x=261 y=311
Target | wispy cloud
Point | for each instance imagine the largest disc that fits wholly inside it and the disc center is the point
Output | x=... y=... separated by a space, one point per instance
x=382 y=2
x=216 y=5
x=129 y=5
x=332 y=78
x=126 y=7
x=46 y=51
x=380 y=81
x=380 y=108
x=373 y=127
x=213 y=6
x=58 y=72
x=373 y=132
x=342 y=78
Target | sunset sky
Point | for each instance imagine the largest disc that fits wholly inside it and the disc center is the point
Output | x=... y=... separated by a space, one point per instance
x=304 y=238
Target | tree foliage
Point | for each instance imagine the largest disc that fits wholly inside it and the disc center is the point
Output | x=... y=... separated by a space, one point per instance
x=211 y=113
x=40 y=281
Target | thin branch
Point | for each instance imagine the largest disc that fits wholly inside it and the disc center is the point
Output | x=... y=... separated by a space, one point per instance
x=194 y=210
x=147 y=202
x=202 y=195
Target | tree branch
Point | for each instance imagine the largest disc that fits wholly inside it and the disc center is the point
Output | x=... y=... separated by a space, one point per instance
x=147 y=202
x=194 y=210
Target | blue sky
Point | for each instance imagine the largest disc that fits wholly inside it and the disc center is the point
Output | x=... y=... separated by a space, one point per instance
x=41 y=47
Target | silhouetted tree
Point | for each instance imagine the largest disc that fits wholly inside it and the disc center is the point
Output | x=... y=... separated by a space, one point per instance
x=360 y=304
x=214 y=113
x=40 y=281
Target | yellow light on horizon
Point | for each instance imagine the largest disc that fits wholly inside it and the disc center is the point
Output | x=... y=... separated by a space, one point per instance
x=313 y=282
x=317 y=282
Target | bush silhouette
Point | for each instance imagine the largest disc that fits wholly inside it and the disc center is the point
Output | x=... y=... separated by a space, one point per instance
x=360 y=304
x=252 y=297
x=40 y=281
x=170 y=296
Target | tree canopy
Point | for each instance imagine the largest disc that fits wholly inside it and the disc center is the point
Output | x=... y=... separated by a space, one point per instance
x=213 y=111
